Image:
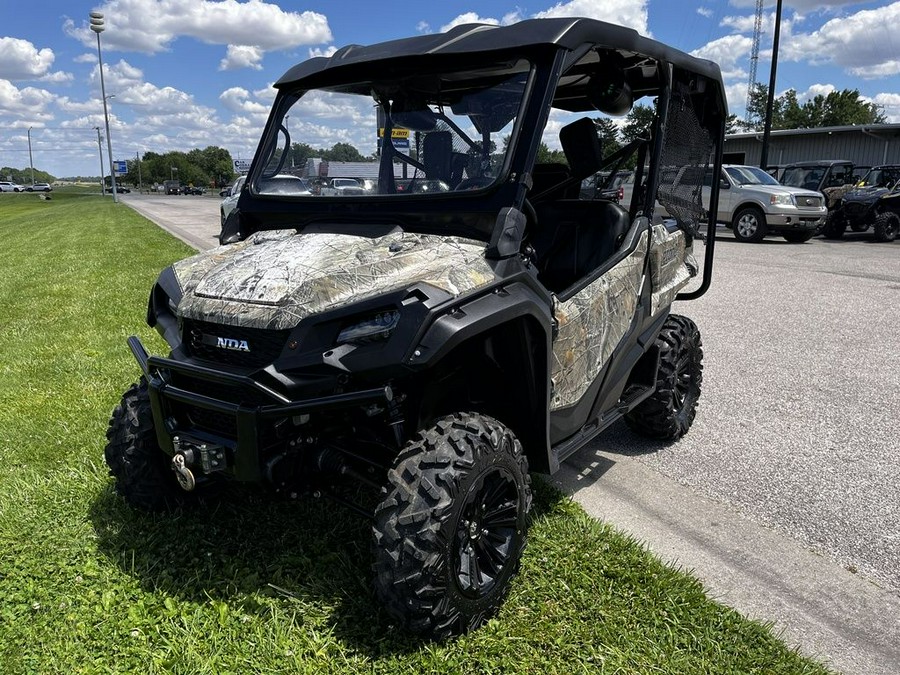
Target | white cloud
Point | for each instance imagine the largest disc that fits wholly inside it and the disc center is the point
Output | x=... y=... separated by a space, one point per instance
x=727 y=52
x=26 y=102
x=238 y=100
x=631 y=13
x=423 y=27
x=705 y=12
x=249 y=29
x=241 y=56
x=21 y=60
x=469 y=17
x=864 y=44
x=318 y=51
x=890 y=106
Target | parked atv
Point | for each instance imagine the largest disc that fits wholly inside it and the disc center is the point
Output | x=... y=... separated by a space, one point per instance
x=874 y=203
x=437 y=345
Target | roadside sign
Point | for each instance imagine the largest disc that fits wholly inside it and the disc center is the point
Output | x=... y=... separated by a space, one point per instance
x=242 y=165
x=121 y=168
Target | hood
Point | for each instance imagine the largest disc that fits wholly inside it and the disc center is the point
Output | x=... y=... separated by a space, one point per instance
x=782 y=190
x=865 y=194
x=275 y=279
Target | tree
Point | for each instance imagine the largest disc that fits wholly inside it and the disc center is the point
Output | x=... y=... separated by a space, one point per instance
x=609 y=135
x=343 y=152
x=638 y=123
x=838 y=108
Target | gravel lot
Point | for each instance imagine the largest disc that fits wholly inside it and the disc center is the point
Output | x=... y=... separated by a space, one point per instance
x=798 y=422
x=797 y=426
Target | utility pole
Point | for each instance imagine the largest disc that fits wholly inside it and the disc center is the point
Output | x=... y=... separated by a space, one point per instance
x=30 y=160
x=100 y=148
x=137 y=158
x=98 y=27
x=770 y=102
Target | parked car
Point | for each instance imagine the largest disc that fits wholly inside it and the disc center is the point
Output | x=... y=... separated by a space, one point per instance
x=605 y=186
x=874 y=203
x=7 y=186
x=172 y=187
x=38 y=187
x=754 y=204
x=343 y=187
x=193 y=190
x=231 y=199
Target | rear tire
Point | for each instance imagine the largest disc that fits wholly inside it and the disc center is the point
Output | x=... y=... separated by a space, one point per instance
x=799 y=237
x=141 y=469
x=887 y=226
x=669 y=412
x=749 y=224
x=451 y=527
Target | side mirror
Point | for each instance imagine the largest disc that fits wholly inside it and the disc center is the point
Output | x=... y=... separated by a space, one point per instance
x=724 y=184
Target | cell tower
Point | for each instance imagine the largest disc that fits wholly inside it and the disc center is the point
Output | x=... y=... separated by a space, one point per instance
x=754 y=56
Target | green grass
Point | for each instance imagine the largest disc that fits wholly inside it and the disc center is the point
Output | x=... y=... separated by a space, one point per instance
x=252 y=585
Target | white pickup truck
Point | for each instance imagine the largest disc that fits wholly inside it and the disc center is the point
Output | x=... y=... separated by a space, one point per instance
x=753 y=204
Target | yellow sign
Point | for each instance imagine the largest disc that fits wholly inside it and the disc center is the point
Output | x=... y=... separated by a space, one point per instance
x=395 y=133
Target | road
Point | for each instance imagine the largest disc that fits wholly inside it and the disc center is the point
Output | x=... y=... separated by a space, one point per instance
x=782 y=499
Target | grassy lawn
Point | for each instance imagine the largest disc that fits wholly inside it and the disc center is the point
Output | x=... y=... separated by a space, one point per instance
x=252 y=585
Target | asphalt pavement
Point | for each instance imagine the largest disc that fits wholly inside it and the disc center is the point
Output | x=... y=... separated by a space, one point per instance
x=782 y=499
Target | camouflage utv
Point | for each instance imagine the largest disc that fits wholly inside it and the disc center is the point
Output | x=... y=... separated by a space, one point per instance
x=436 y=344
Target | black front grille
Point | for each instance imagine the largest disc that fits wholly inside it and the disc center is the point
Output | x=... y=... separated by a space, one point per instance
x=233 y=345
x=855 y=209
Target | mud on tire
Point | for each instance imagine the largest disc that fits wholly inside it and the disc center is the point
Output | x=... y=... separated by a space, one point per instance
x=669 y=412
x=451 y=527
x=135 y=460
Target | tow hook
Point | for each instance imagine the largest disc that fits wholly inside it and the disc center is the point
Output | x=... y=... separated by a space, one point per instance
x=185 y=478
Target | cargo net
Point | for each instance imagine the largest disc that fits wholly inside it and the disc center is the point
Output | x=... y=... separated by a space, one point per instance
x=684 y=162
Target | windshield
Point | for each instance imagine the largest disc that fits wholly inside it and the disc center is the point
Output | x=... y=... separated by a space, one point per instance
x=803 y=177
x=750 y=175
x=886 y=176
x=446 y=131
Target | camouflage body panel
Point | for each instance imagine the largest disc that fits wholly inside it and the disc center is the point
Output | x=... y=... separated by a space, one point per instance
x=591 y=323
x=273 y=280
x=672 y=265
x=833 y=195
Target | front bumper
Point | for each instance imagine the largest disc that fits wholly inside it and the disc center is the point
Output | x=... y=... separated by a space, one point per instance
x=796 y=219
x=242 y=449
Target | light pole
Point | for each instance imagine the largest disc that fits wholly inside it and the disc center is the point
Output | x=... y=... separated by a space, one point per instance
x=100 y=149
x=98 y=27
x=30 y=159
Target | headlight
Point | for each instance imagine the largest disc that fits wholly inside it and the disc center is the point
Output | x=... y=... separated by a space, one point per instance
x=375 y=328
x=786 y=200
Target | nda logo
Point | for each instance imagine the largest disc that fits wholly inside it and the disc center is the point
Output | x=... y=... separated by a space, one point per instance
x=231 y=343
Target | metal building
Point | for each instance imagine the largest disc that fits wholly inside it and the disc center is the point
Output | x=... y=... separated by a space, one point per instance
x=869 y=145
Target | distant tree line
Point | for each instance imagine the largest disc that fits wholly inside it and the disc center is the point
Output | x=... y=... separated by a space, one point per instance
x=23 y=176
x=836 y=109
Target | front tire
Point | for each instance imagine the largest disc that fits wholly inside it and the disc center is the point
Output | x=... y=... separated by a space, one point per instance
x=887 y=226
x=669 y=412
x=451 y=526
x=749 y=224
x=141 y=469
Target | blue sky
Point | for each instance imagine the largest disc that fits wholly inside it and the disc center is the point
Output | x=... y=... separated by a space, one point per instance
x=189 y=74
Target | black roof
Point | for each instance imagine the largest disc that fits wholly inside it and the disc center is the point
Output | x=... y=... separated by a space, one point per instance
x=478 y=39
x=817 y=162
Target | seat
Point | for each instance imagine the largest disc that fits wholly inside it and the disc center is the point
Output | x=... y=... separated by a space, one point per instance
x=584 y=234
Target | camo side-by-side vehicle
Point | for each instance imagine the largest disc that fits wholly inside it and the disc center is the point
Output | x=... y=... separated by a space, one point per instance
x=436 y=344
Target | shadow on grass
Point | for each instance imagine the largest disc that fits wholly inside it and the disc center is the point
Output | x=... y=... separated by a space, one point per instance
x=252 y=551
